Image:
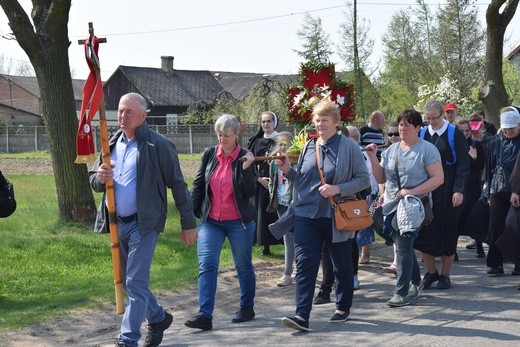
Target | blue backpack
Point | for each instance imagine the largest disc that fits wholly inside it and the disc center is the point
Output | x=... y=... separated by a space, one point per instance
x=451 y=141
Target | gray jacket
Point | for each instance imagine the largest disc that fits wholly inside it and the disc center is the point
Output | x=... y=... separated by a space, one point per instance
x=351 y=177
x=158 y=168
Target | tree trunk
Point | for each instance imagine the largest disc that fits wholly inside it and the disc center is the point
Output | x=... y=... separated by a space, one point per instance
x=75 y=199
x=493 y=93
x=46 y=45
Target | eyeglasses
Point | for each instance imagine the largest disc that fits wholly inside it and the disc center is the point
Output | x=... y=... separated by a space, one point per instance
x=466 y=130
x=432 y=118
x=393 y=134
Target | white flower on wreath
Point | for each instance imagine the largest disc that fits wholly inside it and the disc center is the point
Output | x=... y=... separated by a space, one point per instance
x=340 y=100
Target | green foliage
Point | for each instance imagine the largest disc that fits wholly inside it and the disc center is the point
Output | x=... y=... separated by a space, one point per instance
x=421 y=47
x=512 y=81
x=316 y=46
x=395 y=98
x=351 y=37
x=265 y=97
x=446 y=90
x=459 y=42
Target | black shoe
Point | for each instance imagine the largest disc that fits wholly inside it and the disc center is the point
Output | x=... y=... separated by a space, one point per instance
x=156 y=331
x=480 y=254
x=266 y=251
x=338 y=318
x=321 y=298
x=429 y=279
x=243 y=315
x=200 y=322
x=516 y=271
x=444 y=282
x=295 y=323
x=496 y=270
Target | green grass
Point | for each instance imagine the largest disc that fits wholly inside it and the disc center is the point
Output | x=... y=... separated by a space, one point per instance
x=48 y=268
x=47 y=155
x=27 y=155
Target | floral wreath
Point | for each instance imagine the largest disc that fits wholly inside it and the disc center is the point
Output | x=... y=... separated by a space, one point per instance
x=317 y=82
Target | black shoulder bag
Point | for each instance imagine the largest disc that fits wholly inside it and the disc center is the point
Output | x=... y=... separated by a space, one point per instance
x=498 y=182
x=7 y=201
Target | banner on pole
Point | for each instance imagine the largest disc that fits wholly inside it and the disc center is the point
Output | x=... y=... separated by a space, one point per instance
x=92 y=97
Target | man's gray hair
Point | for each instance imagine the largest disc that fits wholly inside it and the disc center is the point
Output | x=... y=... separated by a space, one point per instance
x=139 y=98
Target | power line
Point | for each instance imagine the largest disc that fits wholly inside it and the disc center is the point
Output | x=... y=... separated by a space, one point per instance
x=262 y=19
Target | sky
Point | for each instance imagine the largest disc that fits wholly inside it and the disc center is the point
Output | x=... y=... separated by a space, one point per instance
x=225 y=35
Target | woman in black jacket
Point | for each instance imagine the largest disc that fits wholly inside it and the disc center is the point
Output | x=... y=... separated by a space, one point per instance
x=502 y=157
x=221 y=195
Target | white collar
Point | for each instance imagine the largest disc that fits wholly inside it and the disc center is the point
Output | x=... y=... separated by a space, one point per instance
x=271 y=135
x=440 y=131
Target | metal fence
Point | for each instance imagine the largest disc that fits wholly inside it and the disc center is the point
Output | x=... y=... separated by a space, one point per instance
x=191 y=138
x=187 y=138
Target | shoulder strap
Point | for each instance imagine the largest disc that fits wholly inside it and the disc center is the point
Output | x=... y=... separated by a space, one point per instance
x=397 y=167
x=318 y=162
x=451 y=142
x=423 y=132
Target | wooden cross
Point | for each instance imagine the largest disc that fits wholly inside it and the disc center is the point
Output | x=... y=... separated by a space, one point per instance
x=109 y=184
x=91 y=33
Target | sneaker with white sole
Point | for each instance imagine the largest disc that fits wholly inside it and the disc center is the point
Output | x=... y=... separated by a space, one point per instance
x=413 y=292
x=284 y=281
x=398 y=301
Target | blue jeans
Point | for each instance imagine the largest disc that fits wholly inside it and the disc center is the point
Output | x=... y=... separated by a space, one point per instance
x=407 y=265
x=136 y=253
x=211 y=238
x=309 y=238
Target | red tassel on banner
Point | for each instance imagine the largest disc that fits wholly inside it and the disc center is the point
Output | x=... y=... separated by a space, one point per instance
x=92 y=97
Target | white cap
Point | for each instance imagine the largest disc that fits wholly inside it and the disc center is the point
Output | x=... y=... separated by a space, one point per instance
x=509 y=119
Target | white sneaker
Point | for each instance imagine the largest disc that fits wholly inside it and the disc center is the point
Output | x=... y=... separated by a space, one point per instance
x=398 y=301
x=413 y=292
x=356 y=282
x=284 y=281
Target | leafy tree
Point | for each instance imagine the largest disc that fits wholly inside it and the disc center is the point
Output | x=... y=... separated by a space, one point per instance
x=421 y=48
x=355 y=49
x=512 y=81
x=44 y=38
x=352 y=36
x=458 y=41
x=265 y=96
x=447 y=91
x=316 y=45
x=493 y=93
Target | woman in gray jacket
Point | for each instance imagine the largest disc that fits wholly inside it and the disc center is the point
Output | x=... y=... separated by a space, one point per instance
x=310 y=213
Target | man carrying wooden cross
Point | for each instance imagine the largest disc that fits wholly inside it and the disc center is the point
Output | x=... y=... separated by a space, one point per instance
x=144 y=165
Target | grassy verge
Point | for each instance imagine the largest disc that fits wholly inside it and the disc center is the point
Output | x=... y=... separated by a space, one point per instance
x=48 y=268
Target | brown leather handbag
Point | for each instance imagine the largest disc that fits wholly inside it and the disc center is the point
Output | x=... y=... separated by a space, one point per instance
x=349 y=214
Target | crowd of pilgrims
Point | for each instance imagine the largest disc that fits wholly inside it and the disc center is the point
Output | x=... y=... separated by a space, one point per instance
x=466 y=168
x=469 y=167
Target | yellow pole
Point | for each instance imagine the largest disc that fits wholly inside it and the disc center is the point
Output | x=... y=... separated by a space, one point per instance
x=110 y=196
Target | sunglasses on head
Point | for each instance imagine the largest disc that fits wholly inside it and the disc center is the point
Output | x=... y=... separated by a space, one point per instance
x=393 y=134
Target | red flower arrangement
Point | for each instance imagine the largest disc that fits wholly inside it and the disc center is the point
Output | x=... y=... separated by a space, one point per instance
x=319 y=81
